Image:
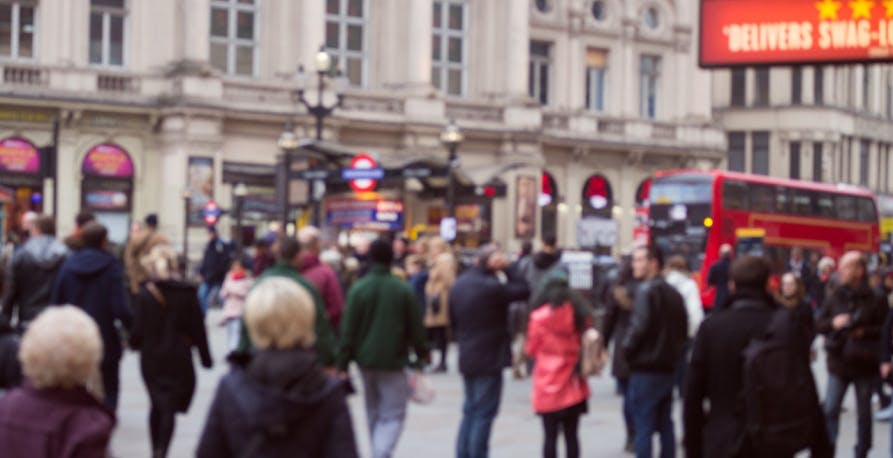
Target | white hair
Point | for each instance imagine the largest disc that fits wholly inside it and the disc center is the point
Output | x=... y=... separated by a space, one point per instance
x=61 y=348
x=280 y=314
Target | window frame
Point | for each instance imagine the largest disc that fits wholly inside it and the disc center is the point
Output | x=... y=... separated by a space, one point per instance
x=735 y=139
x=794 y=160
x=649 y=82
x=232 y=40
x=105 y=54
x=595 y=93
x=443 y=35
x=15 y=29
x=537 y=66
x=342 y=53
x=753 y=153
x=818 y=166
x=738 y=87
x=796 y=85
x=818 y=85
x=761 y=93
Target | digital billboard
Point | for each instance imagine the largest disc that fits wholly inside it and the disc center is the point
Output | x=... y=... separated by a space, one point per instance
x=761 y=32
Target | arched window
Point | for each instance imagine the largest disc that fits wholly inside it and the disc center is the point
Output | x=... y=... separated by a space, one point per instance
x=548 y=202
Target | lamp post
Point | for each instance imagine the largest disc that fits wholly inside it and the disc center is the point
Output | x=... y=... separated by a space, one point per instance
x=288 y=143
x=452 y=137
x=187 y=202
x=319 y=110
x=239 y=192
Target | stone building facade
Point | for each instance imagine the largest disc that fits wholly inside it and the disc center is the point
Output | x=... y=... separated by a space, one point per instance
x=154 y=98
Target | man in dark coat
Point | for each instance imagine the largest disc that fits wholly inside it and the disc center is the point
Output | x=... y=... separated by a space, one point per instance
x=167 y=324
x=215 y=264
x=74 y=241
x=851 y=320
x=479 y=304
x=716 y=372
x=653 y=348
x=718 y=276
x=615 y=326
x=93 y=280
x=10 y=369
x=33 y=273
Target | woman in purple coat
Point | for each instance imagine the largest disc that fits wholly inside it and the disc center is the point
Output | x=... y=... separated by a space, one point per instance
x=54 y=415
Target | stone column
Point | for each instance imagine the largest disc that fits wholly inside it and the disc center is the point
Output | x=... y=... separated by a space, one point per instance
x=195 y=28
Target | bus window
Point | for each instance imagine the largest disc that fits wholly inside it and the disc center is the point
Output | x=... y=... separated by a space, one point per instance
x=782 y=200
x=867 y=211
x=824 y=205
x=762 y=198
x=735 y=195
x=801 y=202
x=845 y=207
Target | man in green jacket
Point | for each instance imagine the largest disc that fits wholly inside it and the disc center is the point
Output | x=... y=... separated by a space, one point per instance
x=287 y=266
x=380 y=324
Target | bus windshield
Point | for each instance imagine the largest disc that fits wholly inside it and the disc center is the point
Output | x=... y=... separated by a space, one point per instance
x=680 y=212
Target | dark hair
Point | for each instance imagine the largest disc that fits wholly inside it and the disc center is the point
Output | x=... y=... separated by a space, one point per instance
x=83 y=218
x=45 y=225
x=550 y=241
x=94 y=235
x=526 y=248
x=289 y=248
x=653 y=253
x=381 y=252
x=750 y=273
x=152 y=220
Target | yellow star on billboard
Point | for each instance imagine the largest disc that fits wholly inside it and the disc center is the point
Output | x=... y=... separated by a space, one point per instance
x=828 y=9
x=888 y=4
x=861 y=8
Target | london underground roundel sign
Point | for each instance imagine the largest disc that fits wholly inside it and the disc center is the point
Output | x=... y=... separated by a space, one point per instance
x=359 y=163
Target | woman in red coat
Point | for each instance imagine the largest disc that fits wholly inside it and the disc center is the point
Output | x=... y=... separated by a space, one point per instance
x=553 y=341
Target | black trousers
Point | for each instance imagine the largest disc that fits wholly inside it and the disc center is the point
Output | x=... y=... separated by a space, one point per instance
x=564 y=421
x=440 y=341
x=162 y=420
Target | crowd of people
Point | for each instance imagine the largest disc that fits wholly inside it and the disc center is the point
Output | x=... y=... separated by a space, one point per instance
x=300 y=311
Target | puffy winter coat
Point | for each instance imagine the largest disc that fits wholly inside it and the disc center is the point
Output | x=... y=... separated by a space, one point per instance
x=234 y=292
x=554 y=342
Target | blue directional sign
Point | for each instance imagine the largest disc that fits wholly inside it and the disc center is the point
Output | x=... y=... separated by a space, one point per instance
x=362 y=174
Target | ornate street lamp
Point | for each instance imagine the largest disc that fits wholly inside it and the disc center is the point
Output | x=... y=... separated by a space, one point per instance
x=452 y=137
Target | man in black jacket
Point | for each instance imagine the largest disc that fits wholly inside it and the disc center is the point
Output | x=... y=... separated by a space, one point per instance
x=716 y=370
x=33 y=273
x=653 y=346
x=479 y=304
x=718 y=276
x=851 y=320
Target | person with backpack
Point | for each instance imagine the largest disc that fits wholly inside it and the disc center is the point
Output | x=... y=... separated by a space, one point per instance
x=718 y=374
x=851 y=320
x=653 y=346
x=554 y=337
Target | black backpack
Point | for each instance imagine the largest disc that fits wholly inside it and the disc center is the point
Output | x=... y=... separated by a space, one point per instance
x=781 y=402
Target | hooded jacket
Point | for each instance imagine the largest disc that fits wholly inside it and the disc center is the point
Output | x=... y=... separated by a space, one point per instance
x=535 y=270
x=553 y=340
x=278 y=404
x=94 y=281
x=326 y=281
x=31 y=278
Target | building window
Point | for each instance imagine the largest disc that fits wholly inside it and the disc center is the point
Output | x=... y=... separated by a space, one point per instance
x=739 y=87
x=596 y=67
x=107 y=32
x=538 y=71
x=649 y=79
x=760 y=157
x=761 y=97
x=737 y=151
x=345 y=40
x=234 y=36
x=818 y=85
x=817 y=162
x=794 y=164
x=863 y=162
x=599 y=10
x=543 y=6
x=796 y=85
x=448 y=47
x=651 y=18
x=866 y=84
x=889 y=100
x=17 y=29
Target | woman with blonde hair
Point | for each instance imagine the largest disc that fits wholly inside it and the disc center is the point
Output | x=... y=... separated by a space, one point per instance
x=277 y=402
x=441 y=276
x=53 y=414
x=168 y=323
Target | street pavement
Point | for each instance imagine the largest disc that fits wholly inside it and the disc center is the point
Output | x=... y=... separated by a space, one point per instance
x=431 y=429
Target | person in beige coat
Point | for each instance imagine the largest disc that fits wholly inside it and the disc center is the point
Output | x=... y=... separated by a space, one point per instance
x=441 y=276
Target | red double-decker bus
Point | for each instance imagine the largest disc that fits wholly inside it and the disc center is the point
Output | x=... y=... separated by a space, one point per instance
x=691 y=213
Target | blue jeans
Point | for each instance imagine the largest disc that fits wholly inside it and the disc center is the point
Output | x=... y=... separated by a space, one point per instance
x=386 y=394
x=482 y=397
x=651 y=396
x=837 y=387
x=207 y=296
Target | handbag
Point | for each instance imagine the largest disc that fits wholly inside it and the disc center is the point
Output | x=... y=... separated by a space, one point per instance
x=421 y=390
x=433 y=303
x=593 y=357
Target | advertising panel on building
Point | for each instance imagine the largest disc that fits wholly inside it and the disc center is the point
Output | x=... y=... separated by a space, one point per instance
x=107 y=188
x=753 y=32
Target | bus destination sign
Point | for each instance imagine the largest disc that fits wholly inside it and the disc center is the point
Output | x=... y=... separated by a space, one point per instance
x=755 y=32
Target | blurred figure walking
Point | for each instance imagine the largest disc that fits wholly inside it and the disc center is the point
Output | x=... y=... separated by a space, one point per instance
x=441 y=277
